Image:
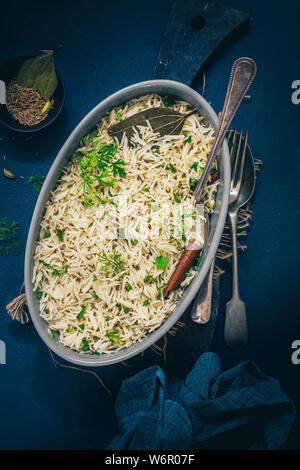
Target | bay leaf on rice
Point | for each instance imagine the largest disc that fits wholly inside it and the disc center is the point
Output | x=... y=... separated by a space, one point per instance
x=164 y=121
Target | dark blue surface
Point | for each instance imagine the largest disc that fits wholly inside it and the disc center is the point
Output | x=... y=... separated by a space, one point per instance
x=108 y=45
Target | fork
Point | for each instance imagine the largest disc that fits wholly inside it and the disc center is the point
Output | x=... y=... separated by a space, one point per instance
x=236 y=328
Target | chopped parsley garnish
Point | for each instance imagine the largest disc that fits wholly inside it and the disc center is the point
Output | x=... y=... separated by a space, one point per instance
x=199 y=260
x=193 y=184
x=195 y=166
x=146 y=190
x=47 y=235
x=158 y=297
x=128 y=287
x=86 y=345
x=112 y=264
x=82 y=326
x=60 y=234
x=95 y=295
x=113 y=336
x=126 y=309
x=118 y=115
x=177 y=197
x=156 y=153
x=169 y=101
x=189 y=274
x=71 y=330
x=188 y=138
x=161 y=262
x=53 y=334
x=149 y=278
x=81 y=313
x=147 y=302
x=40 y=294
x=55 y=271
x=170 y=167
x=95 y=278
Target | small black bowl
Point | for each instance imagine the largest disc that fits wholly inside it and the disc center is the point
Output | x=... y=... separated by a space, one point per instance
x=9 y=71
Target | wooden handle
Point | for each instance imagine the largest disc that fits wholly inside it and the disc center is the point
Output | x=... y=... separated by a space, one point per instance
x=187 y=260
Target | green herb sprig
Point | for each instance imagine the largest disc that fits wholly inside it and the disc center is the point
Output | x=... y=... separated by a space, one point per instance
x=98 y=166
x=60 y=234
x=113 y=264
x=53 y=334
x=81 y=313
x=55 y=271
x=37 y=181
x=113 y=336
x=8 y=241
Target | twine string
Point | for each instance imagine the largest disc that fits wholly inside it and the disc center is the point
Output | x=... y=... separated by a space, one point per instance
x=87 y=371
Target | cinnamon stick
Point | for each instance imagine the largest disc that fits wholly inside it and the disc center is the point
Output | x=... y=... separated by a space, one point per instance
x=187 y=260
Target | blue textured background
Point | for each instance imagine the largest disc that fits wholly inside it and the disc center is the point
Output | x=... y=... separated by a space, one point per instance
x=108 y=45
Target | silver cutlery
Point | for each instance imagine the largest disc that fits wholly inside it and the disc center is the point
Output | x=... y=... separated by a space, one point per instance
x=242 y=75
x=241 y=190
x=201 y=309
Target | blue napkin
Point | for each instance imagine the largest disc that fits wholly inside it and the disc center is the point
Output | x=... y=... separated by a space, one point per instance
x=239 y=408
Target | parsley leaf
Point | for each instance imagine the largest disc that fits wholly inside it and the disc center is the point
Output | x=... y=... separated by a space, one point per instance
x=118 y=115
x=158 y=297
x=81 y=313
x=195 y=166
x=53 y=334
x=177 y=198
x=169 y=101
x=60 y=234
x=113 y=336
x=149 y=278
x=161 y=262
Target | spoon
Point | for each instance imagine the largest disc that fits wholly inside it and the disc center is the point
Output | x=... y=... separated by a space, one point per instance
x=236 y=329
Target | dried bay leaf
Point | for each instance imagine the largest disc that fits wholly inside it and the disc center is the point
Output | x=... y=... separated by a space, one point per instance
x=39 y=74
x=165 y=121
